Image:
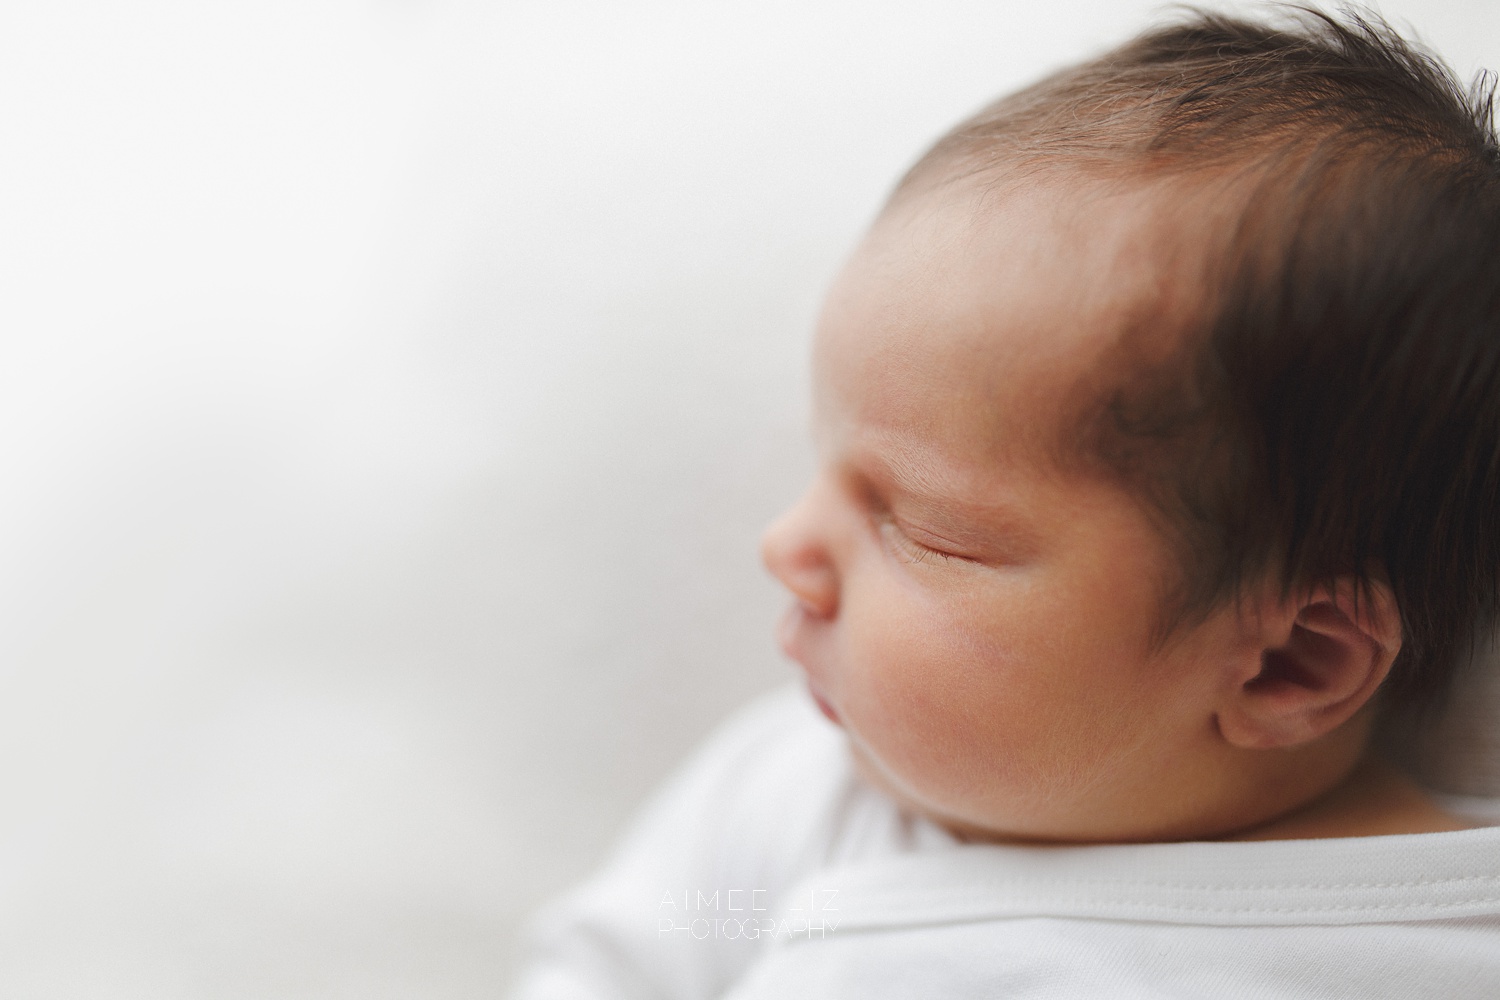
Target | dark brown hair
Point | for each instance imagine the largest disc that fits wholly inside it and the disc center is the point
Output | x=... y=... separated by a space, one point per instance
x=1335 y=412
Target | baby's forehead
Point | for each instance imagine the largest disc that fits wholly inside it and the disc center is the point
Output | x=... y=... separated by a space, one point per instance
x=1011 y=303
x=1117 y=245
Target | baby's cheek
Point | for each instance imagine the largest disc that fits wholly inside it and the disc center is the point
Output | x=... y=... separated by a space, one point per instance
x=924 y=708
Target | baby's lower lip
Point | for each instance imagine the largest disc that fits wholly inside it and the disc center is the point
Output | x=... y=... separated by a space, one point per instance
x=823 y=705
x=786 y=635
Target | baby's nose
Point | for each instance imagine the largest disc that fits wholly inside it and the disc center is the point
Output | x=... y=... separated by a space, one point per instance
x=796 y=552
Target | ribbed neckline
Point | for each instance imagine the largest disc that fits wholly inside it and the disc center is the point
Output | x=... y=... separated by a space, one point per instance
x=1430 y=876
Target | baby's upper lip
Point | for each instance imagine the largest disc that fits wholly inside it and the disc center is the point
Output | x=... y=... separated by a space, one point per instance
x=787 y=633
x=790 y=635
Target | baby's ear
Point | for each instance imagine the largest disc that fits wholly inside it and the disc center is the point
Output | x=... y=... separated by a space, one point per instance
x=1321 y=659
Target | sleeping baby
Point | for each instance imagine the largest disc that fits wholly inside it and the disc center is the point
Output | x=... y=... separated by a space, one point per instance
x=1158 y=424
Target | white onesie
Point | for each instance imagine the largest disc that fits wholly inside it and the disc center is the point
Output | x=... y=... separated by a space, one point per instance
x=767 y=869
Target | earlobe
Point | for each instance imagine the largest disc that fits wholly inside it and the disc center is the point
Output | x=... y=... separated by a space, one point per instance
x=1320 y=660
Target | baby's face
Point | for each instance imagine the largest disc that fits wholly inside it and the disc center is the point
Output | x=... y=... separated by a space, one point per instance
x=978 y=619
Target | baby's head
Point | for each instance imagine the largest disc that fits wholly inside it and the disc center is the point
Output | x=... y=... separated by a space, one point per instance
x=1159 y=431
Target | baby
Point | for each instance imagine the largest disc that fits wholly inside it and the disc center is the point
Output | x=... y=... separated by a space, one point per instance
x=1159 y=430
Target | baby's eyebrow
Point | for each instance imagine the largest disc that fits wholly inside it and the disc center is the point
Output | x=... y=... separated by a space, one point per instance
x=925 y=482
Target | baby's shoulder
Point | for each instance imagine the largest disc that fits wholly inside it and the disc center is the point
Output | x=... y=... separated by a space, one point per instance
x=687 y=899
x=759 y=799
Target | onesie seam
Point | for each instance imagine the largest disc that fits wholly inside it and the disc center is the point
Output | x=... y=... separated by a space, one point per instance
x=1091 y=909
x=1264 y=886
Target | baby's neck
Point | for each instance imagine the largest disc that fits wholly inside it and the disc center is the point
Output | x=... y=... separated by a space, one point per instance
x=1377 y=799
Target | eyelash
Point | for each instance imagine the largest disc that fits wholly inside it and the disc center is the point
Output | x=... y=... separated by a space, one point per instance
x=912 y=550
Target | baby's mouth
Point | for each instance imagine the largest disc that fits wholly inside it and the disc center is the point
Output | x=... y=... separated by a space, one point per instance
x=823 y=705
x=788 y=633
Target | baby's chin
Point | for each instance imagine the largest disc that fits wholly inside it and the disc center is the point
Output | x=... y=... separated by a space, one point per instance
x=875 y=775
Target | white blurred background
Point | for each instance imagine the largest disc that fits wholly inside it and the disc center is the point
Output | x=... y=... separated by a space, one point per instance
x=391 y=396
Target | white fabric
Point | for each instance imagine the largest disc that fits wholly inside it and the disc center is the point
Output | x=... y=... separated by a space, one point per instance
x=766 y=869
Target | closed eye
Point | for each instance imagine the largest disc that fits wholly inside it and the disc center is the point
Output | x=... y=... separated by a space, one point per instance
x=910 y=550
